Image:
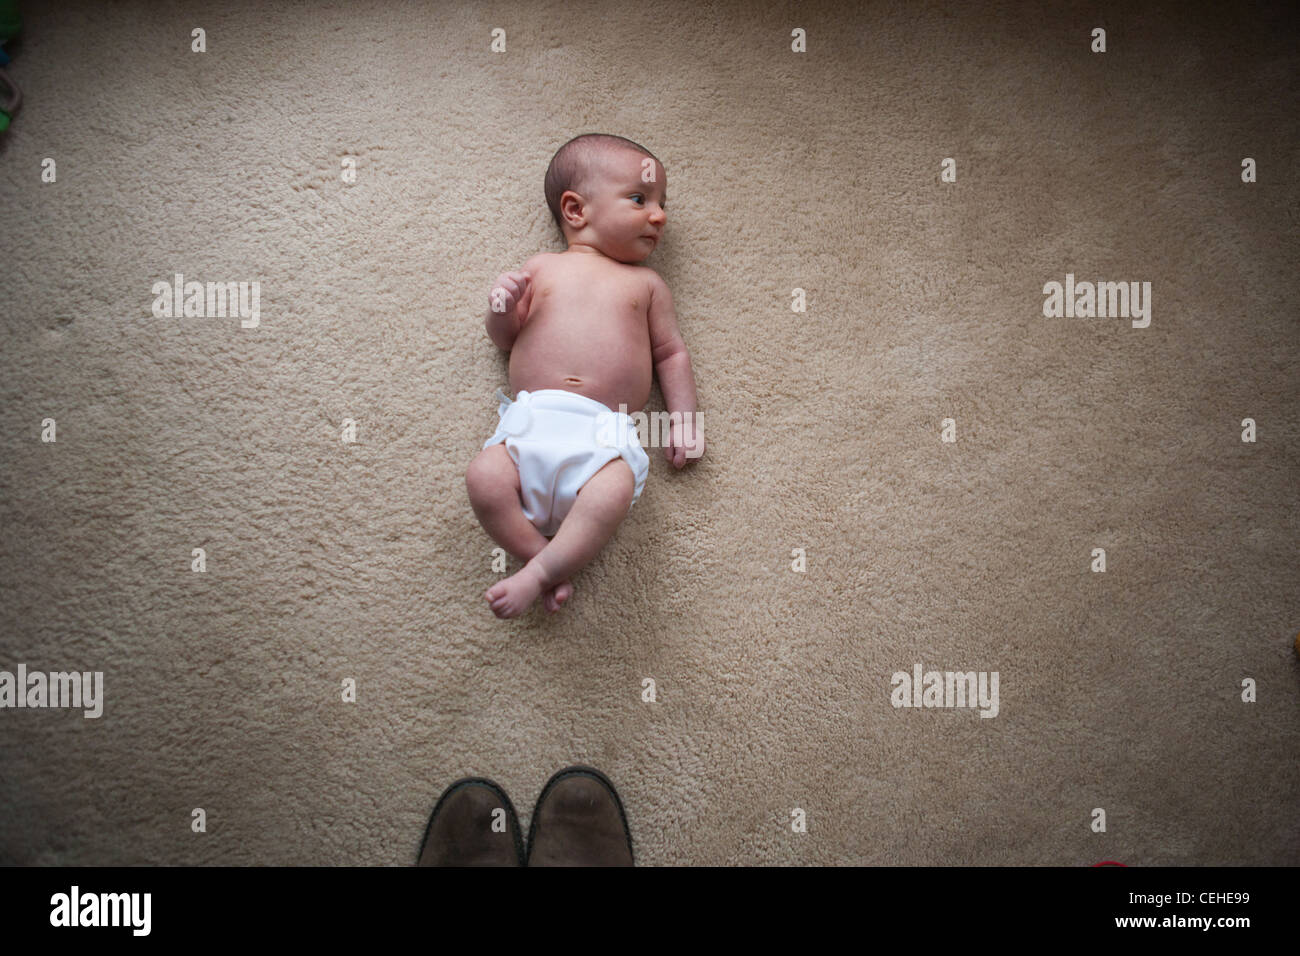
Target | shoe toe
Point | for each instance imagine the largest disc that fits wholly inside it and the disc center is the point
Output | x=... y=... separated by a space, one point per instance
x=474 y=824
x=579 y=822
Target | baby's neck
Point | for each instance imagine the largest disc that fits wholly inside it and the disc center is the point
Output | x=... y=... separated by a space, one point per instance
x=584 y=248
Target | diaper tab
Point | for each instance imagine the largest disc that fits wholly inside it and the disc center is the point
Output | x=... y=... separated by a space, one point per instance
x=516 y=416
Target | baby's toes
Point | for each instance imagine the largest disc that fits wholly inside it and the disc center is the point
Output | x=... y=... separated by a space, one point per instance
x=498 y=599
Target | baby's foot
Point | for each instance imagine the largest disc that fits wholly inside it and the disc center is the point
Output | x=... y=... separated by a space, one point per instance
x=557 y=595
x=514 y=595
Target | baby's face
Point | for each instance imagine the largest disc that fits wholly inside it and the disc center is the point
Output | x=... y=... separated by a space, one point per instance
x=625 y=214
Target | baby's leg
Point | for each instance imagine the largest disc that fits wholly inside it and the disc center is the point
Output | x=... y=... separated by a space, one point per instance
x=599 y=509
x=493 y=484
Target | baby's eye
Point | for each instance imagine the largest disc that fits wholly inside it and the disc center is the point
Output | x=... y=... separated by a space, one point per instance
x=638 y=197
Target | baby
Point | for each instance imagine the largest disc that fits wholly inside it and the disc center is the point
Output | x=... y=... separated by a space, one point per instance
x=586 y=330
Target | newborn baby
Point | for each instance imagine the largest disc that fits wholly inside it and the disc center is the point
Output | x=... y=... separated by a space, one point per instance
x=586 y=330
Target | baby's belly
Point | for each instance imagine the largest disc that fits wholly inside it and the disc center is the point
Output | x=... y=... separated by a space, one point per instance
x=624 y=382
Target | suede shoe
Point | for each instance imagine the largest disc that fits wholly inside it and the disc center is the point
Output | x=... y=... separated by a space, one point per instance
x=461 y=833
x=579 y=821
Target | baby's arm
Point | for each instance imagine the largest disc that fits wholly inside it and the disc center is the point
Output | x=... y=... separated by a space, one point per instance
x=509 y=302
x=676 y=379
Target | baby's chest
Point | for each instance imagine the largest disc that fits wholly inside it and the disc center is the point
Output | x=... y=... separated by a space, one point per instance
x=619 y=293
x=613 y=324
x=600 y=302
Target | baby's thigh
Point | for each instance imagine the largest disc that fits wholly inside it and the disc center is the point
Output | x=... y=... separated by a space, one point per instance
x=493 y=471
x=614 y=483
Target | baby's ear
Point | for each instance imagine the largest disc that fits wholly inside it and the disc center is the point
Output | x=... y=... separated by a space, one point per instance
x=570 y=206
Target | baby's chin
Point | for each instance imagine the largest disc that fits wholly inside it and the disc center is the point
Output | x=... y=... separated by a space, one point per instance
x=635 y=255
x=628 y=258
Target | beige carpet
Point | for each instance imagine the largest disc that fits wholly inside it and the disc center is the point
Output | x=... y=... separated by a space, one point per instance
x=821 y=171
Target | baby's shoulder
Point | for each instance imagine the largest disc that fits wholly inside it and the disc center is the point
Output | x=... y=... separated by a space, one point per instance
x=536 y=262
x=652 y=278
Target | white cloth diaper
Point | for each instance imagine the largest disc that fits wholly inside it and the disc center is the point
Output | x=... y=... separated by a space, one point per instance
x=559 y=440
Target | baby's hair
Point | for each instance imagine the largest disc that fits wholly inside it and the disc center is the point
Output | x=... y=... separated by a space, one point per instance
x=573 y=162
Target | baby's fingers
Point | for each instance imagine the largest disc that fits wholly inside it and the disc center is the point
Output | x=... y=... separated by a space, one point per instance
x=504 y=294
x=525 y=300
x=522 y=280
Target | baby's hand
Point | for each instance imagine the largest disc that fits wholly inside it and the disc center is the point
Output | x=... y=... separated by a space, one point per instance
x=512 y=293
x=685 y=441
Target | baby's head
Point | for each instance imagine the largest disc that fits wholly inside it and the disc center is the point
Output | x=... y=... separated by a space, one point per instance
x=609 y=194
